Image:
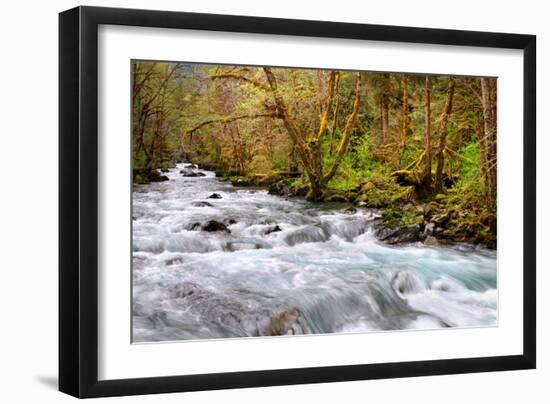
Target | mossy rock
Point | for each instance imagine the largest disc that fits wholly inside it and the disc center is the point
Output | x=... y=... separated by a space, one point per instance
x=367 y=187
x=270 y=178
x=145 y=176
x=335 y=196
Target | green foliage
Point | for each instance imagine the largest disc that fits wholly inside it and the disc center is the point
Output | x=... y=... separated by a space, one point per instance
x=226 y=116
x=470 y=164
x=259 y=165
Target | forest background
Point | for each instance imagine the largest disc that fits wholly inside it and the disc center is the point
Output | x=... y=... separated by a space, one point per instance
x=422 y=148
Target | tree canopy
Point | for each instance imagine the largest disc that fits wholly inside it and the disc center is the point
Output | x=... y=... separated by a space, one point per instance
x=396 y=136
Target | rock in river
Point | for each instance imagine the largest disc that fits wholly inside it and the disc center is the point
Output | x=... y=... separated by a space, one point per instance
x=401 y=235
x=431 y=241
x=201 y=204
x=190 y=173
x=214 y=225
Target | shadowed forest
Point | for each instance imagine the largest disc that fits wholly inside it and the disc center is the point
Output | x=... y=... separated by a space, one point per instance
x=419 y=148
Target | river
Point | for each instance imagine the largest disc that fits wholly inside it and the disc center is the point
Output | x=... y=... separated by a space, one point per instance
x=287 y=266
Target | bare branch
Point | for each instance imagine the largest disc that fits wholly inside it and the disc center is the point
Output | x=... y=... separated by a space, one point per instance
x=226 y=120
x=235 y=76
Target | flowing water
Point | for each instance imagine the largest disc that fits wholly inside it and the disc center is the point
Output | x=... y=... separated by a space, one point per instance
x=287 y=266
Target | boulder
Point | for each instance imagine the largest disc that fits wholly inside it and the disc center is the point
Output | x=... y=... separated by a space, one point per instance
x=194 y=226
x=273 y=229
x=145 y=176
x=173 y=261
x=286 y=322
x=431 y=241
x=441 y=218
x=429 y=228
x=409 y=234
x=215 y=196
x=214 y=226
x=186 y=172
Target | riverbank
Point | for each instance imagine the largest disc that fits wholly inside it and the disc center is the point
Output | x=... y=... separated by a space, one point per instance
x=404 y=218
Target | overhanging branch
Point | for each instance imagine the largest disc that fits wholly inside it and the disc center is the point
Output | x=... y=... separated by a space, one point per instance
x=229 y=120
x=235 y=76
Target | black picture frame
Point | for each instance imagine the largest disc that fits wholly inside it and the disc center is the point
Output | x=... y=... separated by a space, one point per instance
x=78 y=201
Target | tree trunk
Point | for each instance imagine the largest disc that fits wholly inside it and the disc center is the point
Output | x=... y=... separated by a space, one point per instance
x=291 y=127
x=334 y=124
x=310 y=153
x=488 y=98
x=482 y=144
x=443 y=135
x=405 y=114
x=427 y=135
x=342 y=147
x=384 y=106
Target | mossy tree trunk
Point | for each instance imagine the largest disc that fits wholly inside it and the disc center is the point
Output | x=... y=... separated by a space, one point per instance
x=445 y=117
x=384 y=108
x=489 y=103
x=427 y=135
x=405 y=112
x=309 y=147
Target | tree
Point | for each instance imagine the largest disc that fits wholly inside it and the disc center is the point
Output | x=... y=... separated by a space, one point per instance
x=150 y=82
x=427 y=134
x=309 y=145
x=328 y=132
x=488 y=97
x=405 y=113
x=444 y=121
x=384 y=107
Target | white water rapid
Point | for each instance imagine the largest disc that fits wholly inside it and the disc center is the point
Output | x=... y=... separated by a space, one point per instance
x=287 y=266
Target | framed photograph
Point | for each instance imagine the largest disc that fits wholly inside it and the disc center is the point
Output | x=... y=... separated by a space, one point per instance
x=251 y=201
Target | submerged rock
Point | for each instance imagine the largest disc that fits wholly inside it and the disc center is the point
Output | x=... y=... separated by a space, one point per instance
x=307 y=234
x=405 y=282
x=215 y=196
x=185 y=289
x=201 y=204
